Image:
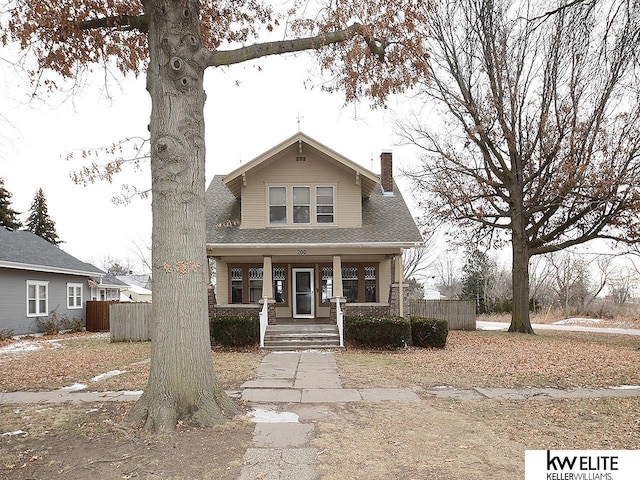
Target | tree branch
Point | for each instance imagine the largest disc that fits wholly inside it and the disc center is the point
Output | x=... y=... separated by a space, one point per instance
x=120 y=22
x=216 y=58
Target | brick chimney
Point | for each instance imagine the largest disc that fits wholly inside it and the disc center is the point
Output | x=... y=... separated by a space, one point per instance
x=386 y=171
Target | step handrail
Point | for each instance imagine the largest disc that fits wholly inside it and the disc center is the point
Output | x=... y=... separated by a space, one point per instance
x=264 y=320
x=340 y=321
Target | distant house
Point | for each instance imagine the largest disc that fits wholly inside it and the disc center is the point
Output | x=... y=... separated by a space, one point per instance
x=138 y=288
x=37 y=278
x=107 y=288
x=302 y=227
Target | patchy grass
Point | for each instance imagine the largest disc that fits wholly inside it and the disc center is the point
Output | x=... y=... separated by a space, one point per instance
x=450 y=439
x=498 y=359
x=64 y=361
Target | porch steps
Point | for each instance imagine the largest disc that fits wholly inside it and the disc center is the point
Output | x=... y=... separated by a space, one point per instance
x=301 y=337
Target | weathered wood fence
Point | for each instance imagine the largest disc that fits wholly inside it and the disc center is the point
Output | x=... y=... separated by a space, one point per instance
x=130 y=322
x=459 y=314
x=97 y=316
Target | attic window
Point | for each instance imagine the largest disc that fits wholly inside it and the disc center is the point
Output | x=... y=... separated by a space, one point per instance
x=301 y=158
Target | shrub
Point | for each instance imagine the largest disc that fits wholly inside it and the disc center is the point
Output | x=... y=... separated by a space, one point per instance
x=6 y=334
x=385 y=332
x=235 y=330
x=429 y=332
x=50 y=325
x=72 y=326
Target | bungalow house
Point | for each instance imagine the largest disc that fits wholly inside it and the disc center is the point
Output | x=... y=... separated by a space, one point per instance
x=36 y=278
x=305 y=235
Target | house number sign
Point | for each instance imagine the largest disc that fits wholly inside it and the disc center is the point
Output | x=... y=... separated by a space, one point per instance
x=302 y=252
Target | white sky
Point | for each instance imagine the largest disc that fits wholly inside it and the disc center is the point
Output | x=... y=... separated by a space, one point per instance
x=241 y=123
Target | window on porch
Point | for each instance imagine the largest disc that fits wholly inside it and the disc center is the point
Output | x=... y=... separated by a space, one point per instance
x=279 y=291
x=360 y=283
x=327 y=284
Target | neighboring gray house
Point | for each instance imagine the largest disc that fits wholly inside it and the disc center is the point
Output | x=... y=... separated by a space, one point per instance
x=37 y=278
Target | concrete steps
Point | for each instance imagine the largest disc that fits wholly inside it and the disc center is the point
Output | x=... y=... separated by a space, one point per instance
x=301 y=337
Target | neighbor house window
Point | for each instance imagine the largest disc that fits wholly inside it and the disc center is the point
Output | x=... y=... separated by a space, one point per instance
x=37 y=298
x=324 y=205
x=301 y=205
x=279 y=292
x=74 y=295
x=277 y=205
x=236 y=285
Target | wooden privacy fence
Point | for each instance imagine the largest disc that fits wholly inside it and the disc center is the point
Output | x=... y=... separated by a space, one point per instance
x=130 y=322
x=459 y=314
x=97 y=316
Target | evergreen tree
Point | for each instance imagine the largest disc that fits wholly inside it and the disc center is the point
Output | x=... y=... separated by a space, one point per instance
x=477 y=277
x=7 y=214
x=39 y=221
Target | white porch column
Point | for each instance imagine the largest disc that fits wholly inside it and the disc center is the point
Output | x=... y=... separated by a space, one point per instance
x=267 y=278
x=337 y=276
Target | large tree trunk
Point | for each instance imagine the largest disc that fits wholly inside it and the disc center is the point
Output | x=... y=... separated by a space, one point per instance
x=520 y=321
x=182 y=383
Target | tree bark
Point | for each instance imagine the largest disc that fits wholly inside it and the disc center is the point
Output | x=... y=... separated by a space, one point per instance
x=182 y=383
x=520 y=321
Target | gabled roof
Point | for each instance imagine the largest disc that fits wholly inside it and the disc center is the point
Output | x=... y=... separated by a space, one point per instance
x=385 y=220
x=367 y=179
x=23 y=250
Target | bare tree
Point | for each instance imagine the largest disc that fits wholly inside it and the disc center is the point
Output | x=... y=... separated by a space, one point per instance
x=542 y=142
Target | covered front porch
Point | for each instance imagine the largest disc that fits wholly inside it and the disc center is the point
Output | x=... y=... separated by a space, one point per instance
x=298 y=297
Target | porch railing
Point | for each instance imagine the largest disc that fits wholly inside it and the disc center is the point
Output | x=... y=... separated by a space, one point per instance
x=264 y=320
x=340 y=321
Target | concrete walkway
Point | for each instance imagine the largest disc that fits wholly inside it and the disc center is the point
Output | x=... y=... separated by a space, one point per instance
x=306 y=382
x=483 y=325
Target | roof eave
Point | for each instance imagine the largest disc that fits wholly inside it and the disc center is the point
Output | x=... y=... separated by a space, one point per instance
x=49 y=269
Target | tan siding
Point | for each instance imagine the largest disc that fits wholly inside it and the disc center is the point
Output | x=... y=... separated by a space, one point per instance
x=222 y=282
x=285 y=170
x=384 y=280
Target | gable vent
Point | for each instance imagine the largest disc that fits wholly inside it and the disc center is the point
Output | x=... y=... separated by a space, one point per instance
x=301 y=158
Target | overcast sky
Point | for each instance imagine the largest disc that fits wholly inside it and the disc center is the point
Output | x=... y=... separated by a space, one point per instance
x=242 y=121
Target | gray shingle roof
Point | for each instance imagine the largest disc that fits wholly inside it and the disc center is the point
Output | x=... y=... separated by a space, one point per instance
x=23 y=249
x=385 y=219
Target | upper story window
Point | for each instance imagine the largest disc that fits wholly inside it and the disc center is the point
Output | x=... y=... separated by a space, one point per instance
x=37 y=298
x=278 y=205
x=301 y=205
x=74 y=295
x=324 y=204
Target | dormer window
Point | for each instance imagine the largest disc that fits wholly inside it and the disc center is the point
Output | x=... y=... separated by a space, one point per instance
x=324 y=204
x=278 y=205
x=301 y=205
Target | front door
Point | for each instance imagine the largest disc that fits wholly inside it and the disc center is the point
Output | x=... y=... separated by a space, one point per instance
x=303 y=293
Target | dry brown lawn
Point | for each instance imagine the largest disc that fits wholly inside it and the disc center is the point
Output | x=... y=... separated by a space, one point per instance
x=442 y=439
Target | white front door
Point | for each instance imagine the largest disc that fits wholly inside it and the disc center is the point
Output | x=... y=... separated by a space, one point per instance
x=303 y=302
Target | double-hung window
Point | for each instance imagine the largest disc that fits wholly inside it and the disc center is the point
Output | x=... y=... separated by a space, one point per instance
x=301 y=205
x=277 y=205
x=324 y=204
x=74 y=295
x=37 y=298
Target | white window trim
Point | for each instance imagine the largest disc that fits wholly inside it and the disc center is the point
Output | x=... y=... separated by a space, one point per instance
x=315 y=201
x=310 y=205
x=286 y=205
x=75 y=286
x=37 y=284
x=313 y=206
